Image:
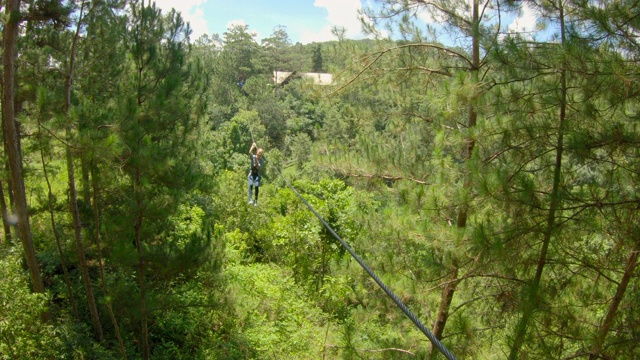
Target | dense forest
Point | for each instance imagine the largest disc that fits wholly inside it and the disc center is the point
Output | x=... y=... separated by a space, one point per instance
x=489 y=177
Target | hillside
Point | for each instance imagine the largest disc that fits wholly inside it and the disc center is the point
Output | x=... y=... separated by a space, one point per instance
x=487 y=178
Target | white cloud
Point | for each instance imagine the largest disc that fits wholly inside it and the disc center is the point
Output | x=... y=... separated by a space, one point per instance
x=340 y=13
x=325 y=34
x=191 y=11
x=525 y=22
x=425 y=16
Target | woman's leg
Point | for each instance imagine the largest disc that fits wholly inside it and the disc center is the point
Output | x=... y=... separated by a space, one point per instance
x=256 y=182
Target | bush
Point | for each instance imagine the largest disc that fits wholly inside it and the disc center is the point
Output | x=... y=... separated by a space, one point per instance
x=23 y=335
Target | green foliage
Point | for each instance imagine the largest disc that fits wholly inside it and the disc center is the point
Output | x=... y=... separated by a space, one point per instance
x=23 y=335
x=300 y=240
x=233 y=139
x=300 y=149
x=184 y=247
x=317 y=64
x=272 y=116
x=442 y=173
x=277 y=53
x=277 y=319
x=188 y=324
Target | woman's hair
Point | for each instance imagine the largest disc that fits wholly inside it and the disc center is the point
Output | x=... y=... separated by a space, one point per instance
x=260 y=152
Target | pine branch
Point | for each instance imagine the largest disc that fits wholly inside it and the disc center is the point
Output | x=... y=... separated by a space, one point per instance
x=385 y=177
x=372 y=350
x=385 y=51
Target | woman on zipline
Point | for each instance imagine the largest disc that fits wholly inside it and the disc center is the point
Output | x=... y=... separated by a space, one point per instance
x=254 y=173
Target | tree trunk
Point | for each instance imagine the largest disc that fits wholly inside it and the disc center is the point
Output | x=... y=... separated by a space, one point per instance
x=11 y=142
x=531 y=295
x=11 y=192
x=82 y=261
x=615 y=304
x=56 y=234
x=105 y=289
x=144 y=328
x=5 y=215
x=461 y=222
x=443 y=310
x=73 y=197
x=86 y=182
x=5 y=211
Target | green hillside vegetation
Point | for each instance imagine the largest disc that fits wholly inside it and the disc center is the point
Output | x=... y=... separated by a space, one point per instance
x=489 y=179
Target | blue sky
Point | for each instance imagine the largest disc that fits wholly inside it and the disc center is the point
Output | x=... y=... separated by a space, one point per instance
x=305 y=20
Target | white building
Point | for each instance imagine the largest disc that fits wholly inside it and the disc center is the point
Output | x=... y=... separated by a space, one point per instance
x=283 y=77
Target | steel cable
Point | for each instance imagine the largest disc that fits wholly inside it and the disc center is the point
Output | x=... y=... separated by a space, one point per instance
x=373 y=275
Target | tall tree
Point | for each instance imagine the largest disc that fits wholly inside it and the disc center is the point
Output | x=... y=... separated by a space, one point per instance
x=467 y=75
x=532 y=301
x=160 y=132
x=45 y=149
x=568 y=184
x=316 y=60
x=234 y=65
x=239 y=54
x=277 y=53
x=73 y=194
x=11 y=140
x=6 y=224
x=614 y=23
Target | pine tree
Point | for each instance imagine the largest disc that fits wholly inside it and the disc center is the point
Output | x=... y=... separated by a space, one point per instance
x=317 y=59
x=276 y=53
x=101 y=58
x=73 y=196
x=455 y=114
x=10 y=35
x=159 y=133
x=555 y=199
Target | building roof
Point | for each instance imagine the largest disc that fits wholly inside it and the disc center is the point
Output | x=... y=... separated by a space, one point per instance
x=283 y=77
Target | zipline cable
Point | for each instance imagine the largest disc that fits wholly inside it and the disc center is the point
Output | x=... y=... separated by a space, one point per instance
x=373 y=275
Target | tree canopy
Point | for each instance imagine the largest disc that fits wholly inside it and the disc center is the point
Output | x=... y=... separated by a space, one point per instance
x=489 y=177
